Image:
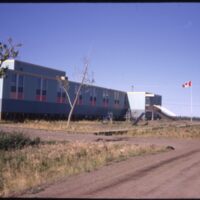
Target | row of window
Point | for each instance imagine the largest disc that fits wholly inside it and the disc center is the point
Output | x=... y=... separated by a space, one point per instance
x=17 y=92
x=94 y=99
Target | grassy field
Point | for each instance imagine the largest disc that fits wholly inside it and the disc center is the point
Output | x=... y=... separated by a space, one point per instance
x=178 y=129
x=29 y=166
x=171 y=130
x=76 y=126
x=26 y=163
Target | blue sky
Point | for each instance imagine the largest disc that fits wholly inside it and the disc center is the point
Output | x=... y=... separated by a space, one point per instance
x=153 y=46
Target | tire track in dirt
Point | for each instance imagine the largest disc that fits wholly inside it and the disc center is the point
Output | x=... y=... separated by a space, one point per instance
x=141 y=173
x=167 y=181
x=181 y=185
x=160 y=180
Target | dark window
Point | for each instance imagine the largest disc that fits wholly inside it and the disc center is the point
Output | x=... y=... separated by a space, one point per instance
x=13 y=88
x=44 y=92
x=44 y=89
x=20 y=89
x=63 y=95
x=41 y=89
x=105 y=101
x=17 y=84
x=38 y=89
x=125 y=101
x=80 y=100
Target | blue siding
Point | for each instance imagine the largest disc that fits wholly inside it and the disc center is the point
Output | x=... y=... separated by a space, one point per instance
x=21 y=106
x=30 y=104
x=37 y=69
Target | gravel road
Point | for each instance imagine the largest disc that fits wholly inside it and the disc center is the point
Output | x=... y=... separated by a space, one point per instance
x=173 y=174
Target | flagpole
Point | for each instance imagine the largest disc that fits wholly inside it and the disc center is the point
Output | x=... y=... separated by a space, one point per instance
x=186 y=85
x=191 y=103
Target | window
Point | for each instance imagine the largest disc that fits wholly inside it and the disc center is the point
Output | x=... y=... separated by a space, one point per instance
x=44 y=89
x=61 y=95
x=41 y=89
x=38 y=89
x=93 y=98
x=94 y=101
x=80 y=97
x=13 y=89
x=20 y=87
x=79 y=100
x=105 y=98
x=125 y=101
x=116 y=99
x=148 y=102
x=17 y=86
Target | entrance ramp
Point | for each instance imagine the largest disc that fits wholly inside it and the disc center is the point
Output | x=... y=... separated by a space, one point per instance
x=165 y=111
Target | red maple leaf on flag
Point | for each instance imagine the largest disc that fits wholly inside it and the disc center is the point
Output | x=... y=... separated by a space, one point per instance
x=187 y=84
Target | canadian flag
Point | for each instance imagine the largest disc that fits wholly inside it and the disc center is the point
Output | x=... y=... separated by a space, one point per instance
x=187 y=84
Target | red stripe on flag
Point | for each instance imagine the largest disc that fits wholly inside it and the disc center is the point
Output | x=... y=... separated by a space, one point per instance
x=187 y=84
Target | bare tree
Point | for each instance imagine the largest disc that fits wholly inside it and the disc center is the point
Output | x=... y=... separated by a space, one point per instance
x=7 y=51
x=65 y=85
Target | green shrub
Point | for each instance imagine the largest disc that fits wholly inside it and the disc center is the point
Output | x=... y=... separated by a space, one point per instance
x=16 y=140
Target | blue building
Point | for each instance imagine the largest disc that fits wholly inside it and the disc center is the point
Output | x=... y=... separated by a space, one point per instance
x=32 y=91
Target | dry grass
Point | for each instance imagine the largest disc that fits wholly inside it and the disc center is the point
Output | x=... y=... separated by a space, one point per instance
x=174 y=131
x=29 y=167
x=163 y=128
x=75 y=126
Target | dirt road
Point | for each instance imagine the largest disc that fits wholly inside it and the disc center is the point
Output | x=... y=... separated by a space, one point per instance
x=173 y=174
